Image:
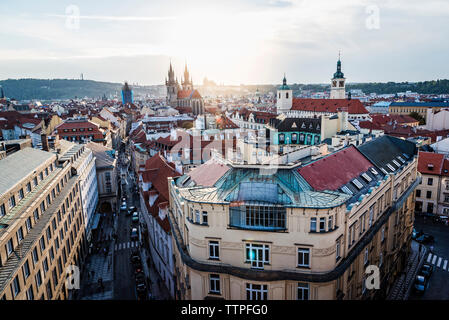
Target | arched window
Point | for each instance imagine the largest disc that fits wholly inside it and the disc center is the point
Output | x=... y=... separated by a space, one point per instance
x=279 y=95
x=286 y=95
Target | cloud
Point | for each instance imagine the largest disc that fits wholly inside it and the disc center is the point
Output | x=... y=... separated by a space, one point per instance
x=112 y=18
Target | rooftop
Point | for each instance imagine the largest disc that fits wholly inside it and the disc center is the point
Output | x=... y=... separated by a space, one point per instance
x=20 y=164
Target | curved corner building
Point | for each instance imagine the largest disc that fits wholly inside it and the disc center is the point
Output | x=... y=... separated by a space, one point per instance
x=297 y=231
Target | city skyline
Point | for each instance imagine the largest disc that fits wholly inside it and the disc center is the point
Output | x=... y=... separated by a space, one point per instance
x=252 y=42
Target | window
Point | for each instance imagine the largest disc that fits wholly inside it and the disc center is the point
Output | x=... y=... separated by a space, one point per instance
x=16 y=286
x=429 y=194
x=30 y=293
x=2 y=210
x=52 y=254
x=35 y=181
x=28 y=224
x=257 y=255
x=12 y=202
x=46 y=171
x=365 y=258
x=371 y=215
x=313 y=224
x=214 y=280
x=418 y=193
x=197 y=216
x=28 y=187
x=19 y=235
x=380 y=259
x=21 y=195
x=48 y=200
x=45 y=265
x=36 y=215
x=330 y=223
x=42 y=244
x=304 y=257
x=258 y=217
x=322 y=224
x=48 y=234
x=38 y=278
x=256 y=291
x=337 y=250
x=204 y=217
x=430 y=181
x=214 y=248
x=35 y=256
x=303 y=291
x=26 y=270
x=281 y=138
x=10 y=246
x=42 y=207
x=41 y=176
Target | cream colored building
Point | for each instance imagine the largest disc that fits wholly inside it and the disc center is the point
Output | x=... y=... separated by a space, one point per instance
x=41 y=225
x=295 y=231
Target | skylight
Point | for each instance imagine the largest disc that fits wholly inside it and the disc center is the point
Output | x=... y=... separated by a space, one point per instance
x=374 y=171
x=396 y=163
x=366 y=177
x=401 y=159
x=391 y=167
x=384 y=171
x=345 y=189
x=357 y=183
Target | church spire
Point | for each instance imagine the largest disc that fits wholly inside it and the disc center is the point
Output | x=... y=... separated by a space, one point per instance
x=339 y=74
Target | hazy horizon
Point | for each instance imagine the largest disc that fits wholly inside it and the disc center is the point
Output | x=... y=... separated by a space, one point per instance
x=232 y=42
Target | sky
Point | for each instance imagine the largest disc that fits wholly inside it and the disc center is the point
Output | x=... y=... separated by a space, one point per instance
x=231 y=42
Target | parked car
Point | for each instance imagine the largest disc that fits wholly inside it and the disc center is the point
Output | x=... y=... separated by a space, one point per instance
x=135 y=260
x=134 y=234
x=131 y=210
x=140 y=278
x=123 y=206
x=416 y=234
x=425 y=238
x=135 y=218
x=420 y=284
x=426 y=270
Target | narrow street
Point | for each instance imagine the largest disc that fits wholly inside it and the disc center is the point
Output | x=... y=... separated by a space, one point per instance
x=438 y=288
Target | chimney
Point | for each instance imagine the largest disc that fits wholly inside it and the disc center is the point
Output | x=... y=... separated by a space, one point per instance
x=44 y=141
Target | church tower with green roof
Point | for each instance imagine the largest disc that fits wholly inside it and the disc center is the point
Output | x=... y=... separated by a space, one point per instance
x=284 y=98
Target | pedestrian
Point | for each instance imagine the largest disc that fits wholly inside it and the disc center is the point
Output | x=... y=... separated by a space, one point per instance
x=431 y=249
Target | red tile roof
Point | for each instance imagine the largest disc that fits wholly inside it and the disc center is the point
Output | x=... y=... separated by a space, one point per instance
x=192 y=94
x=157 y=171
x=353 y=106
x=225 y=123
x=430 y=163
x=334 y=171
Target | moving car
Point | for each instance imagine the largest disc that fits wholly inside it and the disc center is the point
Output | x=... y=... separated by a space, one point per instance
x=425 y=238
x=134 y=234
x=135 y=218
x=426 y=270
x=123 y=206
x=420 y=284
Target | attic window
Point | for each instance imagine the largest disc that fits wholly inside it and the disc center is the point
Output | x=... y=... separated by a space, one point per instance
x=357 y=183
x=346 y=190
x=430 y=166
x=374 y=171
x=396 y=163
x=391 y=167
x=366 y=177
x=401 y=159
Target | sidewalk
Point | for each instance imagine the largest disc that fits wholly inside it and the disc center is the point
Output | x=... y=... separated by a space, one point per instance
x=99 y=266
x=402 y=286
x=158 y=290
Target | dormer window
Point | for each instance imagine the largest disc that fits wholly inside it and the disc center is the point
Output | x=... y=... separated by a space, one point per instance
x=430 y=166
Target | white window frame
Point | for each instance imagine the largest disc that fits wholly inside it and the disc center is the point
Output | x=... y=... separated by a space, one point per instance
x=214 y=279
x=304 y=288
x=260 y=255
x=257 y=293
x=303 y=252
x=214 y=246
